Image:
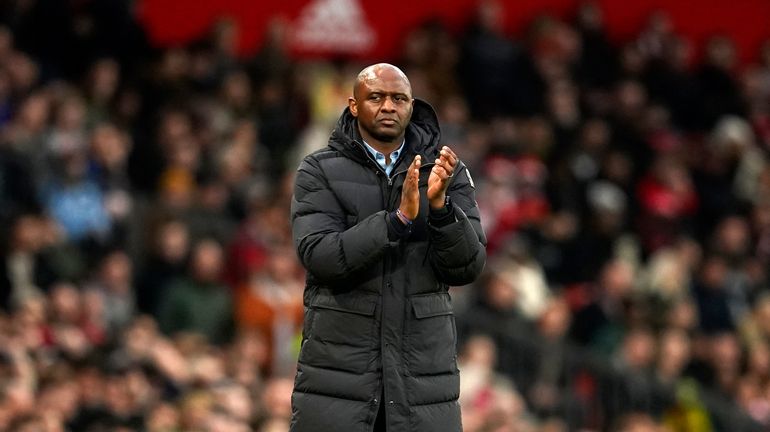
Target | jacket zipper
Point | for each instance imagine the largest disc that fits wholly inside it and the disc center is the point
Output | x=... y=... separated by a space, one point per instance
x=386 y=401
x=386 y=192
x=386 y=197
x=373 y=160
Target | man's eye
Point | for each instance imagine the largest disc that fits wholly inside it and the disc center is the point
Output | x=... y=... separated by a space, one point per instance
x=375 y=98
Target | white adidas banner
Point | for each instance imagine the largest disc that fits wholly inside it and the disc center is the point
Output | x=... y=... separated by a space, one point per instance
x=333 y=25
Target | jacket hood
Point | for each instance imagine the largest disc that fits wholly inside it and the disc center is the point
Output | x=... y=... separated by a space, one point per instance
x=423 y=133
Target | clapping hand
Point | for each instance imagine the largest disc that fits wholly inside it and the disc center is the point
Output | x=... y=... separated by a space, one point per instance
x=438 y=182
x=410 y=194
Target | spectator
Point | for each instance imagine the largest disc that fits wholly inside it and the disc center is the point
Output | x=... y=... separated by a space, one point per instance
x=713 y=298
x=108 y=164
x=271 y=302
x=717 y=88
x=77 y=203
x=199 y=302
x=489 y=62
x=113 y=284
x=166 y=262
x=24 y=272
x=600 y=323
x=489 y=399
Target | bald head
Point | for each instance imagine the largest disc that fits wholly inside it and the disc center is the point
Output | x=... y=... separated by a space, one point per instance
x=371 y=74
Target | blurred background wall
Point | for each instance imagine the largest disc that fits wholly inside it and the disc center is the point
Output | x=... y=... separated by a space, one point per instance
x=746 y=21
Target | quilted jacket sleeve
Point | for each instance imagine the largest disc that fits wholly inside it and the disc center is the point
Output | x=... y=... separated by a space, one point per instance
x=457 y=250
x=328 y=249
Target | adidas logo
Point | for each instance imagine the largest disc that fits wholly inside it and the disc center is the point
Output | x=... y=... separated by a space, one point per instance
x=333 y=25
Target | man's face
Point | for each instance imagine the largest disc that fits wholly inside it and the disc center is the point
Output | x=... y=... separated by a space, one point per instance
x=382 y=103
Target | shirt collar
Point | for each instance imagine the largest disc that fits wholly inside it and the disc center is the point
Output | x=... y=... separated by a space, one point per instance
x=380 y=157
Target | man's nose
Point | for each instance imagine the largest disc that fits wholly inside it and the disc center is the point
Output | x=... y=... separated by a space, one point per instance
x=388 y=104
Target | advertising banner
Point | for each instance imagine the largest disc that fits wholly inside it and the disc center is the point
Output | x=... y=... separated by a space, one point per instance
x=369 y=29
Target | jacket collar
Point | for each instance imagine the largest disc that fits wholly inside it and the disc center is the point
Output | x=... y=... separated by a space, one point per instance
x=423 y=135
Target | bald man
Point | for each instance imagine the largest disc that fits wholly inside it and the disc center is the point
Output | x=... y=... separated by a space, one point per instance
x=384 y=220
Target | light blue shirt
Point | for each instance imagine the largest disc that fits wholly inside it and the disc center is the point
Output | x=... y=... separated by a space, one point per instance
x=380 y=157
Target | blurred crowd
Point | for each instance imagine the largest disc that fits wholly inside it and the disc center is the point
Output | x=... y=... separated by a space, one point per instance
x=148 y=279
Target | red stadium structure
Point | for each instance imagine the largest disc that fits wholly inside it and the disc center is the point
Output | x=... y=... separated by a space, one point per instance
x=375 y=29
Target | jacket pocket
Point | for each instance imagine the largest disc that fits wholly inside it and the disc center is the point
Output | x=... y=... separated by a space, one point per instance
x=341 y=332
x=429 y=335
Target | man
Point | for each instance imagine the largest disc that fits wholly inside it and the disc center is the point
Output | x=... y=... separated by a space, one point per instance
x=384 y=220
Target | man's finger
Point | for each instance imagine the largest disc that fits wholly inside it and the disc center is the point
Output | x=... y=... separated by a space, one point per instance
x=414 y=164
x=447 y=162
x=448 y=153
x=449 y=156
x=412 y=167
x=446 y=165
x=441 y=172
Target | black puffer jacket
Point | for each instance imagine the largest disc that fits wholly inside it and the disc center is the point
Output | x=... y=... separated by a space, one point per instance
x=377 y=311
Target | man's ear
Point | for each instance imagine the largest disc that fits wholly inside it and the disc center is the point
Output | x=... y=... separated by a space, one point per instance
x=353 y=106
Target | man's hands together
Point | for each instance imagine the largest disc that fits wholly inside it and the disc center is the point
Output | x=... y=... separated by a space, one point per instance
x=438 y=183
